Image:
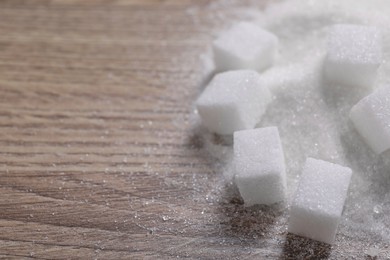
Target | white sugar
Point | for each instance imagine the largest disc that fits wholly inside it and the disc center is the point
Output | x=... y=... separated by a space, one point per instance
x=318 y=203
x=371 y=117
x=259 y=166
x=354 y=54
x=312 y=118
x=234 y=100
x=245 y=46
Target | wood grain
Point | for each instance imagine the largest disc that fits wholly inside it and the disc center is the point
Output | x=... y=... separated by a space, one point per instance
x=99 y=158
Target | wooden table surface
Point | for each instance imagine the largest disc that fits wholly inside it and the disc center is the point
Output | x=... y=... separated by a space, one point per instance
x=99 y=157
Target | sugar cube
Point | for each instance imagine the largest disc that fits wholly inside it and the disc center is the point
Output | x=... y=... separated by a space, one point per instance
x=259 y=166
x=245 y=46
x=354 y=54
x=371 y=117
x=234 y=100
x=318 y=203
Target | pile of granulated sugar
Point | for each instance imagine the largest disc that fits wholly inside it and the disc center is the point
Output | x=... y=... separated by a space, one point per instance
x=313 y=121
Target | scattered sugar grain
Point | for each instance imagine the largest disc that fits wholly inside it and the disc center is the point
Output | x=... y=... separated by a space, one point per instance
x=301 y=114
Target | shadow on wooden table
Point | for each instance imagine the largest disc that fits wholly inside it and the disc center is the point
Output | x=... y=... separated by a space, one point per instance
x=248 y=223
x=297 y=247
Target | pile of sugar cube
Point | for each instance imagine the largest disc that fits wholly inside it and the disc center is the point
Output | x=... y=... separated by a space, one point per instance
x=235 y=100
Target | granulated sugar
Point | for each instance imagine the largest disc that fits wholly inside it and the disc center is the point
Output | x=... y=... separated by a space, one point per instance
x=311 y=114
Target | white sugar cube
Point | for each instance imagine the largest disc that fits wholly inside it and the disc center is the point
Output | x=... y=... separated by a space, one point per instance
x=234 y=100
x=259 y=166
x=319 y=200
x=354 y=54
x=371 y=117
x=245 y=46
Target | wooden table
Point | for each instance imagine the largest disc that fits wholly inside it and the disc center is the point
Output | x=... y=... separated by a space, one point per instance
x=99 y=154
